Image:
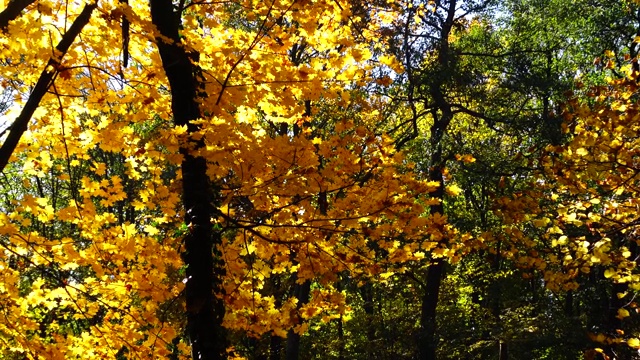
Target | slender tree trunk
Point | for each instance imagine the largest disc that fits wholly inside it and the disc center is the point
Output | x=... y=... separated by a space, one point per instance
x=568 y=304
x=442 y=116
x=275 y=346
x=205 y=269
x=428 y=341
x=301 y=292
x=612 y=323
x=269 y=346
x=275 y=341
x=366 y=292
x=341 y=339
x=257 y=349
x=503 y=350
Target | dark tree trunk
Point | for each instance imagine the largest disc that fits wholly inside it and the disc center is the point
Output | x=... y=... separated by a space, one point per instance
x=341 y=339
x=442 y=115
x=428 y=341
x=257 y=349
x=205 y=269
x=274 y=286
x=568 y=303
x=612 y=322
x=366 y=292
x=275 y=347
x=301 y=292
x=503 y=351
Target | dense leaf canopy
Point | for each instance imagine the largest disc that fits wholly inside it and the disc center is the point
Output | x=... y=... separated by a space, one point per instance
x=319 y=179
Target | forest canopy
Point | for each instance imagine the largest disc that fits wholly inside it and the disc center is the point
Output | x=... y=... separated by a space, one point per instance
x=319 y=179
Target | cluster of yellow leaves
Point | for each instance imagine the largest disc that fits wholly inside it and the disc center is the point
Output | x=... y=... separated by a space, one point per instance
x=582 y=215
x=318 y=209
x=596 y=186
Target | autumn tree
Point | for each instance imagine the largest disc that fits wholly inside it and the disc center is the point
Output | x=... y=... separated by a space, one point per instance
x=126 y=182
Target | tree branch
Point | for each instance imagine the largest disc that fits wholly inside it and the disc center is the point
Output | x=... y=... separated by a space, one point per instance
x=12 y=12
x=20 y=125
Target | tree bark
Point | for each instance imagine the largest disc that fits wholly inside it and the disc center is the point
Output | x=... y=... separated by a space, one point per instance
x=442 y=115
x=428 y=341
x=275 y=346
x=205 y=269
x=435 y=271
x=503 y=350
x=367 y=294
x=13 y=10
x=301 y=292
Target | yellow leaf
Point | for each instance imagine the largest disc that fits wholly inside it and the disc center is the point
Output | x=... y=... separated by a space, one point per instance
x=541 y=222
x=386 y=275
x=280 y=332
x=301 y=329
x=467 y=158
x=582 y=152
x=151 y=230
x=634 y=342
x=622 y=313
x=100 y=169
x=248 y=249
x=386 y=59
x=562 y=240
x=609 y=273
x=453 y=190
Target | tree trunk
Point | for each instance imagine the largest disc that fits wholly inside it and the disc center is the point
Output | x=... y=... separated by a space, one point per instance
x=301 y=292
x=428 y=341
x=366 y=292
x=427 y=338
x=503 y=350
x=568 y=304
x=274 y=286
x=341 y=339
x=275 y=346
x=205 y=269
x=442 y=116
